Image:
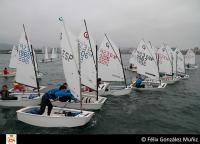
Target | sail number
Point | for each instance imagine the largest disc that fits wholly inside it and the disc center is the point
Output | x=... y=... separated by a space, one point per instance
x=142 y=58
x=85 y=51
x=67 y=56
x=24 y=54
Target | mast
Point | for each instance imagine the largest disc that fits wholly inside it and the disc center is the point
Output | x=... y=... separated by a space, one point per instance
x=89 y=40
x=184 y=63
x=118 y=59
x=96 y=65
x=171 y=61
x=123 y=69
x=172 y=65
x=97 y=71
x=79 y=71
x=176 y=63
x=33 y=60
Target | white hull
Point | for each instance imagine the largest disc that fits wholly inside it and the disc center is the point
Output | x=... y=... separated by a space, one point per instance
x=22 y=101
x=88 y=103
x=192 y=67
x=27 y=90
x=46 y=60
x=56 y=119
x=119 y=92
x=185 y=77
x=134 y=69
x=150 y=88
x=40 y=75
x=11 y=74
x=171 y=81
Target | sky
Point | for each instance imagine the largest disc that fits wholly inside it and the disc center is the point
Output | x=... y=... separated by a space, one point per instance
x=175 y=22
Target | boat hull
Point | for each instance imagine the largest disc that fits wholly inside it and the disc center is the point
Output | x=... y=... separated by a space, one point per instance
x=11 y=74
x=27 y=99
x=56 y=119
x=89 y=102
x=149 y=88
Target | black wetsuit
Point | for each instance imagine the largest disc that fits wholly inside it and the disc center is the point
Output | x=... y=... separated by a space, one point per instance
x=5 y=95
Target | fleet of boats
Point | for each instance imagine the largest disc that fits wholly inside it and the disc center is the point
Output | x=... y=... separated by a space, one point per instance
x=85 y=65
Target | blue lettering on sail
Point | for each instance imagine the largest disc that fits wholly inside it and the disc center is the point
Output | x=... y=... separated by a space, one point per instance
x=24 y=54
x=85 y=51
x=142 y=58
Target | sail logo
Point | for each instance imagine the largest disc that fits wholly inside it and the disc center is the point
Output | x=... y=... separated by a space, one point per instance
x=142 y=58
x=85 y=51
x=24 y=54
x=107 y=45
x=67 y=56
x=144 y=47
x=86 y=35
x=11 y=139
x=105 y=57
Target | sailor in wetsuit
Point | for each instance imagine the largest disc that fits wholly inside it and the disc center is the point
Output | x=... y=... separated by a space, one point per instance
x=54 y=94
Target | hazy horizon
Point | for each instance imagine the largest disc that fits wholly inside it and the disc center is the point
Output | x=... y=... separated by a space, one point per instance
x=175 y=22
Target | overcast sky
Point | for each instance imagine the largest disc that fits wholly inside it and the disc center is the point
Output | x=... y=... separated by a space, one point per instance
x=176 y=22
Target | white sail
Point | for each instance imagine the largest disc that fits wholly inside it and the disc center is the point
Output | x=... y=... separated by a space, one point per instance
x=180 y=61
x=69 y=53
x=133 y=58
x=25 y=73
x=53 y=54
x=87 y=59
x=164 y=61
x=13 y=58
x=146 y=62
x=152 y=49
x=109 y=62
x=190 y=57
x=46 y=54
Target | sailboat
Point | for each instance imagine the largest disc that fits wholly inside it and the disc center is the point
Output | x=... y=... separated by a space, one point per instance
x=59 y=116
x=179 y=64
x=132 y=62
x=12 y=64
x=147 y=66
x=166 y=66
x=84 y=58
x=54 y=54
x=190 y=60
x=46 y=58
x=25 y=74
x=110 y=67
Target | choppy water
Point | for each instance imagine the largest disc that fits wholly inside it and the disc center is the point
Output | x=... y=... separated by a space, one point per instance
x=175 y=110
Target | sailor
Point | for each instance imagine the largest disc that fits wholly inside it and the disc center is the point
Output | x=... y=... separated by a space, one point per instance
x=188 y=65
x=54 y=94
x=18 y=87
x=5 y=71
x=138 y=83
x=131 y=66
x=5 y=94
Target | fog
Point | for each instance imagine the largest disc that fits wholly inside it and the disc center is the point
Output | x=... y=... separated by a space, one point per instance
x=176 y=22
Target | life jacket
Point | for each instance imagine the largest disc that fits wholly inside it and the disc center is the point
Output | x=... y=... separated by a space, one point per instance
x=88 y=89
x=18 y=87
x=5 y=72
